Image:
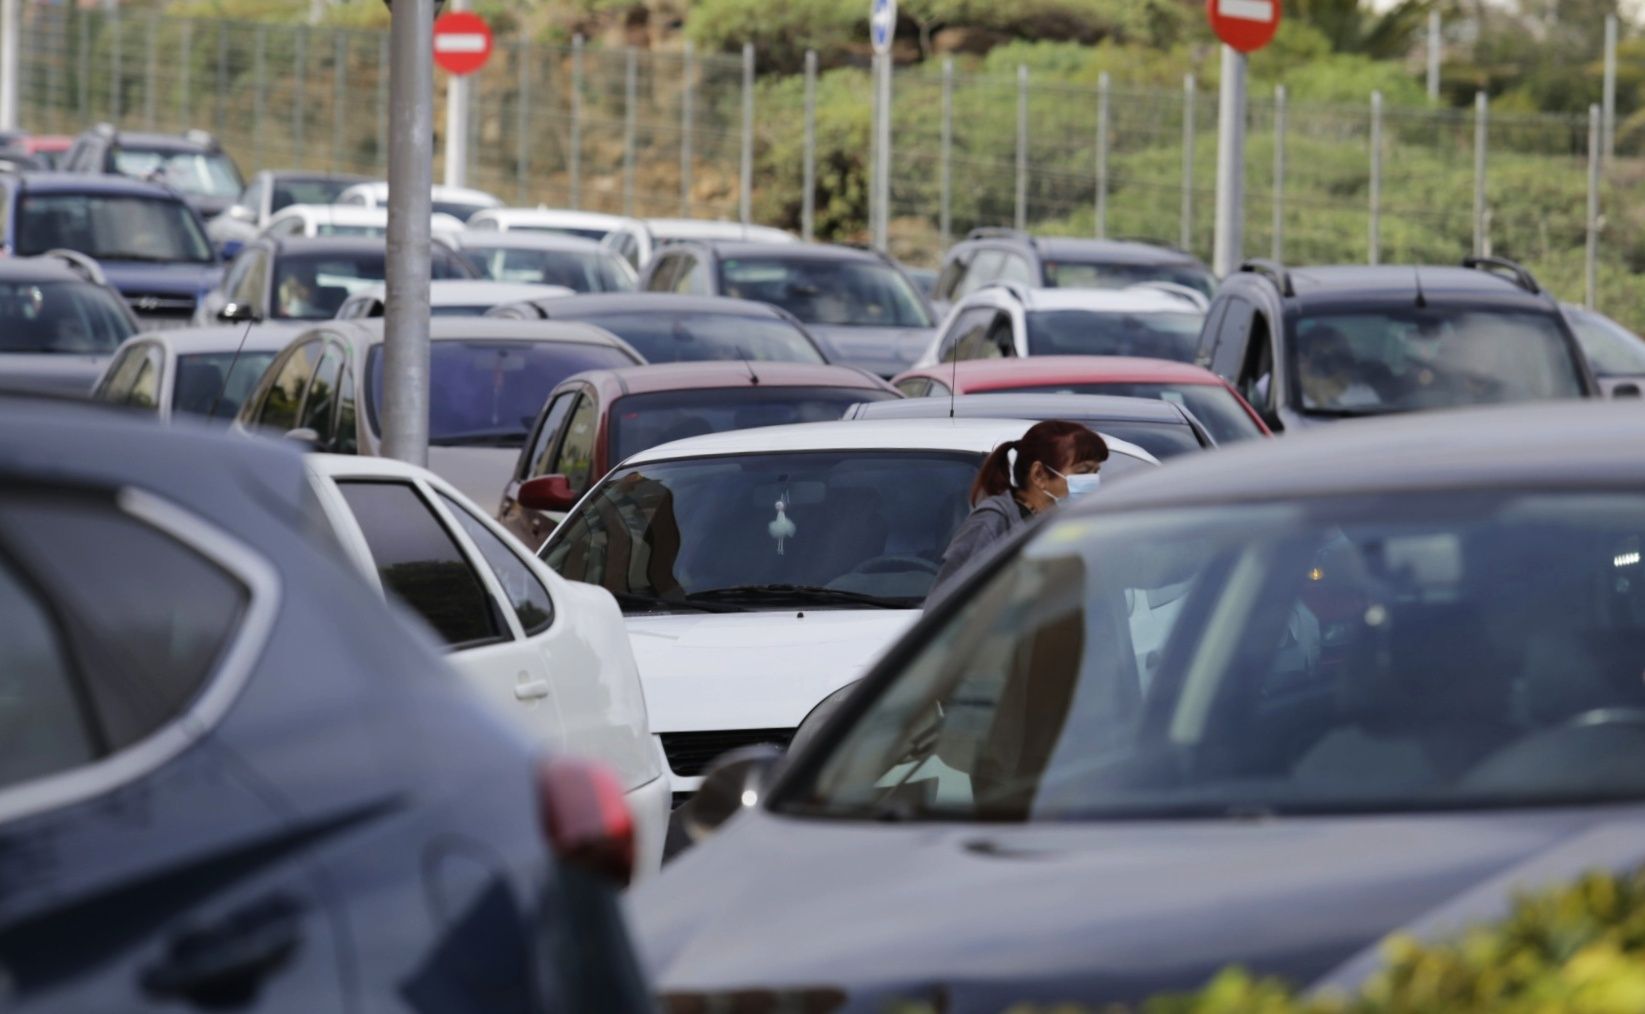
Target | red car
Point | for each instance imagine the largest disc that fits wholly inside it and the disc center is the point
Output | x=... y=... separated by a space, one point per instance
x=593 y=420
x=1218 y=407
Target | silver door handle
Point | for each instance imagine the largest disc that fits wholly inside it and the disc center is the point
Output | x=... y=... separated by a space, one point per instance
x=531 y=691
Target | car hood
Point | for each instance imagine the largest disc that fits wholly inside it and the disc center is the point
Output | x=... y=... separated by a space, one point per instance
x=757 y=670
x=981 y=917
x=57 y=373
x=480 y=472
x=174 y=279
x=886 y=351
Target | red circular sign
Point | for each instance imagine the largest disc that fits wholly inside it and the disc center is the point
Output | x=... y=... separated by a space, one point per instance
x=462 y=42
x=1246 y=25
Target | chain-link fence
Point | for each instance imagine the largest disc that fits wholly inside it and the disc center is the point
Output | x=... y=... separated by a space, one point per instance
x=664 y=133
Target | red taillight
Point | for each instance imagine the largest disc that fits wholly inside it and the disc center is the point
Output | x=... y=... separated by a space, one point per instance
x=586 y=817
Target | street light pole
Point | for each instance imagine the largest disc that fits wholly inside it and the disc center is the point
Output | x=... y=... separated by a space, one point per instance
x=410 y=179
x=1229 y=244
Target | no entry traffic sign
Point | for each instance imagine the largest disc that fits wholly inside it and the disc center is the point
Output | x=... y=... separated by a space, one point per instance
x=462 y=42
x=1246 y=25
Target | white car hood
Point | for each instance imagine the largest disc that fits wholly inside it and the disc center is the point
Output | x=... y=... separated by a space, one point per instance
x=479 y=472
x=760 y=670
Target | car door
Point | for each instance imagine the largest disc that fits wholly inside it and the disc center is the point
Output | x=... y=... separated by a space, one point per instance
x=145 y=866
x=527 y=525
x=423 y=561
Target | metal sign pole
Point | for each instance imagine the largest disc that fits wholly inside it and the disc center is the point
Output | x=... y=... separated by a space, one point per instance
x=745 y=186
x=1230 y=217
x=456 y=139
x=1591 y=254
x=1374 y=251
x=410 y=180
x=1103 y=86
x=1435 y=50
x=1186 y=239
x=1020 y=218
x=1277 y=249
x=1481 y=110
x=808 y=194
x=1608 y=141
x=882 y=227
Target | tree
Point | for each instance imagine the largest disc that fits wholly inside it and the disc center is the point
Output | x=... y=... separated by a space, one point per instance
x=1352 y=27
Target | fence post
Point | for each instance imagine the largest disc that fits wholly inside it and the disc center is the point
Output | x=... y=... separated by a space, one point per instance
x=687 y=73
x=219 y=105
x=745 y=189
x=1609 y=97
x=1436 y=44
x=522 y=121
x=1480 y=113
x=1277 y=250
x=1103 y=84
x=1591 y=255
x=945 y=171
x=54 y=70
x=299 y=89
x=151 y=69
x=631 y=87
x=339 y=95
x=185 y=48
x=10 y=58
x=808 y=196
x=382 y=101
x=1186 y=232
x=117 y=70
x=576 y=167
x=1021 y=218
x=1375 y=243
x=259 y=92
x=82 y=69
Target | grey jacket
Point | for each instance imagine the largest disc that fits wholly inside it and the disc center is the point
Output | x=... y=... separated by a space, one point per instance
x=989 y=522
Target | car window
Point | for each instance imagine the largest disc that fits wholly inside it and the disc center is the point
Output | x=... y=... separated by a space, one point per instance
x=145 y=387
x=661 y=278
x=637 y=422
x=663 y=336
x=914 y=387
x=41 y=728
x=251 y=198
x=1232 y=331
x=575 y=459
x=692 y=276
x=216 y=384
x=187 y=172
x=1152 y=335
x=312 y=285
x=112 y=227
x=320 y=408
x=985 y=269
x=594 y=270
x=419 y=562
x=1612 y=349
x=145 y=655
x=289 y=191
x=348 y=422
x=1107 y=275
x=538 y=461
x=67 y=317
x=976 y=336
x=278 y=413
x=251 y=288
x=1015 y=269
x=949 y=280
x=1256 y=383
x=821 y=290
x=526 y=594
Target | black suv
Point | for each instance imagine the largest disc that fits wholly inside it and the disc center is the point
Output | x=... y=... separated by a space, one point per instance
x=1312 y=344
x=989 y=256
x=192 y=164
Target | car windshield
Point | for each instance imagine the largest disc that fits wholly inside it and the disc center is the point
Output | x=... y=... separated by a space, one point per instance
x=1398 y=360
x=1161 y=439
x=74 y=318
x=187 y=172
x=1612 y=349
x=318 y=192
x=688 y=337
x=858 y=293
x=1217 y=408
x=1347 y=654
x=215 y=384
x=1107 y=333
x=313 y=285
x=853 y=529
x=577 y=270
x=488 y=393
x=333 y=229
x=641 y=421
x=1105 y=275
x=115 y=227
x=460 y=210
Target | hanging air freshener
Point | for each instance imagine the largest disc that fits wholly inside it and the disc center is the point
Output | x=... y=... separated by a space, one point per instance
x=782 y=529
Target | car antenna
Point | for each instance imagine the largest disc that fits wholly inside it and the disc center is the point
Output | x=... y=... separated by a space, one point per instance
x=954 y=381
x=1422 y=300
x=230 y=371
x=742 y=357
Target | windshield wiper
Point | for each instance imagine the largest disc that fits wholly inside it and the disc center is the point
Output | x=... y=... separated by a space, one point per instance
x=790 y=594
x=636 y=601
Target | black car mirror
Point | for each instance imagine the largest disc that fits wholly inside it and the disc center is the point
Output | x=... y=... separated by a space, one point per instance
x=1628 y=389
x=233 y=313
x=736 y=782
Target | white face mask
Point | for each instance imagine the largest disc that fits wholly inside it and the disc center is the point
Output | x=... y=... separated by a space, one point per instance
x=1078 y=485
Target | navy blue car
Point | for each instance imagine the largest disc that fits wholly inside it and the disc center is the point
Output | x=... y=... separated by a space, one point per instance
x=148 y=241
x=230 y=778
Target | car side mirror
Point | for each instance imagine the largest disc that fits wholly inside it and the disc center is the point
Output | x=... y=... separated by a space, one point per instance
x=234 y=313
x=547 y=493
x=241 y=213
x=1627 y=389
x=735 y=782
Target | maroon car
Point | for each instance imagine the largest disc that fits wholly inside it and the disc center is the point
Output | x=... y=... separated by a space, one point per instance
x=593 y=420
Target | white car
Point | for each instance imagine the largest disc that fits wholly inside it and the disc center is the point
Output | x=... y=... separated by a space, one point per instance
x=582 y=224
x=639 y=239
x=199 y=372
x=1154 y=320
x=547 y=654
x=453 y=297
x=547 y=258
x=345 y=220
x=762 y=570
x=460 y=203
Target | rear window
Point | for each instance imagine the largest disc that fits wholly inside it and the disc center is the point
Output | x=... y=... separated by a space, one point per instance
x=289 y=192
x=313 y=285
x=1172 y=336
x=1105 y=275
x=641 y=421
x=1217 y=408
x=1162 y=440
x=577 y=270
x=75 y=318
x=689 y=337
x=216 y=384
x=859 y=293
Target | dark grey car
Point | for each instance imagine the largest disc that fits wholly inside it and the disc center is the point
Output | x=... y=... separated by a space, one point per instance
x=59 y=323
x=1264 y=707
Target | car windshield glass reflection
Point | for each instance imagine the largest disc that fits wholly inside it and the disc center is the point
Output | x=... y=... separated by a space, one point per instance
x=1216 y=407
x=846 y=529
x=460 y=210
x=186 y=172
x=577 y=270
x=1612 y=349
x=111 y=227
x=216 y=384
x=64 y=317
x=312 y=286
x=1095 y=275
x=818 y=291
x=320 y=192
x=1093 y=333
x=488 y=393
x=676 y=338
x=1377 y=654
x=641 y=421
x=1373 y=363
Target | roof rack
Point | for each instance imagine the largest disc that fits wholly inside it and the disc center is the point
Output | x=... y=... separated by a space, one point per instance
x=1274 y=271
x=1505 y=267
x=995 y=232
x=1183 y=292
x=79 y=263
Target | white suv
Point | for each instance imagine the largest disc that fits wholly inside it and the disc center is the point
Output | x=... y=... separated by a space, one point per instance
x=1155 y=320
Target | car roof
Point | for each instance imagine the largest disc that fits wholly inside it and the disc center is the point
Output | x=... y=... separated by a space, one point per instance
x=554 y=217
x=43 y=268
x=1538 y=446
x=1323 y=285
x=601 y=303
x=793 y=251
x=974 y=435
x=341 y=214
x=977 y=375
x=93 y=183
x=440 y=191
x=655 y=377
x=1117 y=251
x=709 y=228
x=1135 y=299
x=1084 y=407
x=370 y=331
x=163 y=142
x=184 y=341
x=312 y=174
x=526 y=241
